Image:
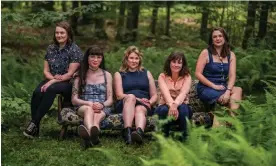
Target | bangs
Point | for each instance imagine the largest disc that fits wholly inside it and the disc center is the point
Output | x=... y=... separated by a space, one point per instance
x=176 y=57
x=95 y=51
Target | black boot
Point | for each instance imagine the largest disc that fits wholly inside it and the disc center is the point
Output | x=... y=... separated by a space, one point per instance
x=94 y=135
x=137 y=136
x=32 y=130
x=127 y=135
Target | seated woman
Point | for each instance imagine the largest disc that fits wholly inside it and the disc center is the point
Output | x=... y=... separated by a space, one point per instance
x=61 y=61
x=175 y=83
x=216 y=72
x=135 y=89
x=92 y=94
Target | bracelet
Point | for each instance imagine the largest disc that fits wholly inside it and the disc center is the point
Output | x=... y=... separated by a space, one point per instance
x=229 y=89
x=102 y=104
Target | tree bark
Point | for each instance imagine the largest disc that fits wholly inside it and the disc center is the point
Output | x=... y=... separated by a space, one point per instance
x=132 y=20
x=74 y=18
x=250 y=24
x=154 y=17
x=49 y=5
x=263 y=21
x=63 y=5
x=204 y=23
x=168 y=22
x=121 y=21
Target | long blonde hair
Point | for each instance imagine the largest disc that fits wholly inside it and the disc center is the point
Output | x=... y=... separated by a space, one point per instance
x=131 y=49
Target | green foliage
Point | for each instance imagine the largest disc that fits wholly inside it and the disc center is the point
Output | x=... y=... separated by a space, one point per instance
x=253 y=66
x=251 y=140
x=13 y=107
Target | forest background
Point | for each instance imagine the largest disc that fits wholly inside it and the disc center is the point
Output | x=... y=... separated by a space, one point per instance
x=157 y=28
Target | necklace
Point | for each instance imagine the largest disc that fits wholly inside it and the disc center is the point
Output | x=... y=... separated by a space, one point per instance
x=220 y=57
x=92 y=69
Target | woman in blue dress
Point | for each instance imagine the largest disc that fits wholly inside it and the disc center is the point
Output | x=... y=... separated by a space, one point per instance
x=92 y=95
x=216 y=72
x=136 y=91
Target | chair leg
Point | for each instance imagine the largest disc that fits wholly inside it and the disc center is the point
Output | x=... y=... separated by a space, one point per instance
x=63 y=132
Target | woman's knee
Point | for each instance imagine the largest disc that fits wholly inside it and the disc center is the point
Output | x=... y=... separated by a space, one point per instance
x=162 y=110
x=237 y=90
x=130 y=98
x=184 y=110
x=87 y=110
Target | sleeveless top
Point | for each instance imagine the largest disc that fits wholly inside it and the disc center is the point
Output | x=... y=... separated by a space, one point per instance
x=95 y=92
x=136 y=83
x=216 y=72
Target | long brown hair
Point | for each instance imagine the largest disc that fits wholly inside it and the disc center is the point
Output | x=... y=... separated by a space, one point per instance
x=225 y=48
x=93 y=50
x=176 y=56
x=131 y=49
x=65 y=25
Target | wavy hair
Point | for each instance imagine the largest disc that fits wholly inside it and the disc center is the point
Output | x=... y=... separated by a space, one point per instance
x=176 y=56
x=65 y=25
x=225 y=48
x=131 y=49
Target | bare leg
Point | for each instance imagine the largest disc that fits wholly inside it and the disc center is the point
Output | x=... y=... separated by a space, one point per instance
x=88 y=116
x=128 y=110
x=236 y=95
x=140 y=117
x=98 y=117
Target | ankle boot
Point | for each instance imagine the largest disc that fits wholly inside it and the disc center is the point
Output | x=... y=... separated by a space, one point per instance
x=137 y=136
x=127 y=135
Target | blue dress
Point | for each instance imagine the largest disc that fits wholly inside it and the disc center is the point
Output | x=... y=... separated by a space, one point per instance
x=216 y=72
x=96 y=93
x=136 y=83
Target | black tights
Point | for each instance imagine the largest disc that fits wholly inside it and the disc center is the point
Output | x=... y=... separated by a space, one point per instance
x=42 y=101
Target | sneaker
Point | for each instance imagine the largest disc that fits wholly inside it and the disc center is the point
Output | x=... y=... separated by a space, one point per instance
x=137 y=136
x=94 y=135
x=31 y=131
x=83 y=132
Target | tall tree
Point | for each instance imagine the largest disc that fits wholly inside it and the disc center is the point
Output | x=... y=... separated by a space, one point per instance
x=132 y=20
x=49 y=5
x=86 y=16
x=168 y=17
x=121 y=20
x=74 y=18
x=63 y=5
x=154 y=16
x=263 y=21
x=204 y=21
x=250 y=24
x=99 y=20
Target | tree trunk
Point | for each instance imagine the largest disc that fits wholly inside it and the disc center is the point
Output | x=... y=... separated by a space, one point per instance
x=154 y=17
x=132 y=20
x=87 y=16
x=74 y=18
x=121 y=21
x=250 y=24
x=204 y=23
x=49 y=5
x=263 y=21
x=63 y=5
x=99 y=21
x=168 y=22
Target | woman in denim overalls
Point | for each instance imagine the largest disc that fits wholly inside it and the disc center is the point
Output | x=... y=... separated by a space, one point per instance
x=216 y=72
